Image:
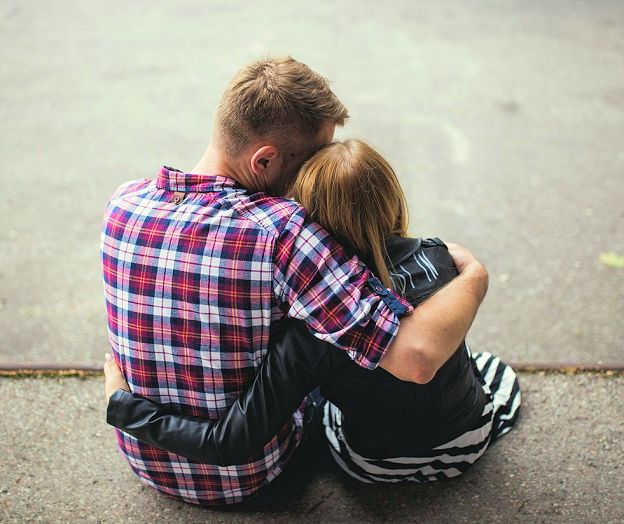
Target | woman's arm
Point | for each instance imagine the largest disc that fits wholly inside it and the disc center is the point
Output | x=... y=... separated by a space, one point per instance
x=295 y=364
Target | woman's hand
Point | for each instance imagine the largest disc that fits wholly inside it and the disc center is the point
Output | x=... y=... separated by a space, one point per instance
x=114 y=377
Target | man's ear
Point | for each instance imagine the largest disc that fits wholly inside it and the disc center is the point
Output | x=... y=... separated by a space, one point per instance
x=264 y=162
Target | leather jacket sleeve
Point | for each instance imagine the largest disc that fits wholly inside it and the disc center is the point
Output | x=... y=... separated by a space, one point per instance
x=295 y=364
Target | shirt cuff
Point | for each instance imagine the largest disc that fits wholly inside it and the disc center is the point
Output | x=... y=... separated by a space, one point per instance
x=398 y=305
x=113 y=405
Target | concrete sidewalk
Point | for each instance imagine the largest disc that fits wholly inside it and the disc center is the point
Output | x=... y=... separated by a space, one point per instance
x=562 y=463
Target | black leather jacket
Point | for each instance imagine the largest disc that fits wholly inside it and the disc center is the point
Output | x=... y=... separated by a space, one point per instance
x=382 y=415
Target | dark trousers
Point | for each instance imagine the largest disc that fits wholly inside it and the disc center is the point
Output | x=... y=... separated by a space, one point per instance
x=303 y=466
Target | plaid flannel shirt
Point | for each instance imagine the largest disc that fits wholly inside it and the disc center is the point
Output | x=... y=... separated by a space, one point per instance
x=196 y=269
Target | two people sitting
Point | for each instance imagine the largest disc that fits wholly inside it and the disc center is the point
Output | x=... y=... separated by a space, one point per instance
x=279 y=265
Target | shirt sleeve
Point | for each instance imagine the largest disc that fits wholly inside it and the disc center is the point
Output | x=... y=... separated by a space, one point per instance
x=337 y=296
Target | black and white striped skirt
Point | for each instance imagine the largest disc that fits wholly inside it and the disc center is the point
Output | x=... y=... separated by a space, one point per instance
x=447 y=460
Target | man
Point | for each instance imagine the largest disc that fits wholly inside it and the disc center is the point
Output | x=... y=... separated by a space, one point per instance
x=198 y=265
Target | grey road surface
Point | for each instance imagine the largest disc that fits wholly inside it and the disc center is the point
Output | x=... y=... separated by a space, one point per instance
x=504 y=120
x=561 y=463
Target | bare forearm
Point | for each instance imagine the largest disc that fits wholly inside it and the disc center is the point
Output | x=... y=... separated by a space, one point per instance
x=429 y=336
x=444 y=320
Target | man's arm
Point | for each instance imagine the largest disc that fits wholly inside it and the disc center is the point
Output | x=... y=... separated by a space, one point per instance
x=341 y=304
x=317 y=281
x=431 y=334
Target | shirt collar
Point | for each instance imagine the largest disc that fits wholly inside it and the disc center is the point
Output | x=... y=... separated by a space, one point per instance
x=172 y=179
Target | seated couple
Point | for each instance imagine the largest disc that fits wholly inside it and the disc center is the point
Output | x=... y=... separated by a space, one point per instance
x=279 y=265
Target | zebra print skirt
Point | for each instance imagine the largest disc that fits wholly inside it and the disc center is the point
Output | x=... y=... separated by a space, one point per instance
x=447 y=460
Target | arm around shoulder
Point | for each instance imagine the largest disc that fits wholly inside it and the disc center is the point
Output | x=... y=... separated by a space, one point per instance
x=431 y=334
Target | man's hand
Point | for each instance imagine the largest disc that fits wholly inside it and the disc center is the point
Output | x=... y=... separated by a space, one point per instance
x=468 y=265
x=432 y=333
x=461 y=256
x=114 y=377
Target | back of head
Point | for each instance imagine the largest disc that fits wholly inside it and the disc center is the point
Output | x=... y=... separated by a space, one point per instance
x=352 y=191
x=278 y=99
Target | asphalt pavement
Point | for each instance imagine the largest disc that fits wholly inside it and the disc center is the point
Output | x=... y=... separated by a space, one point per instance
x=504 y=121
x=562 y=462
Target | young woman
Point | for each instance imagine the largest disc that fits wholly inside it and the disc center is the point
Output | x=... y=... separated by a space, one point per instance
x=379 y=428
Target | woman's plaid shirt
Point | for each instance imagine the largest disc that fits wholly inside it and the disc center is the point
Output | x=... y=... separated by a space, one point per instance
x=195 y=271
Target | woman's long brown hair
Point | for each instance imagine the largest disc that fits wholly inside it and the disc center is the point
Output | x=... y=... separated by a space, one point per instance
x=350 y=190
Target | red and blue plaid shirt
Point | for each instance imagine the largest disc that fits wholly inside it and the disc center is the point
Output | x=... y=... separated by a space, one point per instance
x=196 y=269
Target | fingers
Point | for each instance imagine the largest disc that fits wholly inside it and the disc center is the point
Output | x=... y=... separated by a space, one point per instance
x=114 y=378
x=462 y=257
x=456 y=248
x=111 y=369
x=107 y=364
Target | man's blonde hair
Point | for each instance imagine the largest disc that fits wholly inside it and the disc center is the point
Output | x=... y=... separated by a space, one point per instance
x=352 y=191
x=278 y=99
